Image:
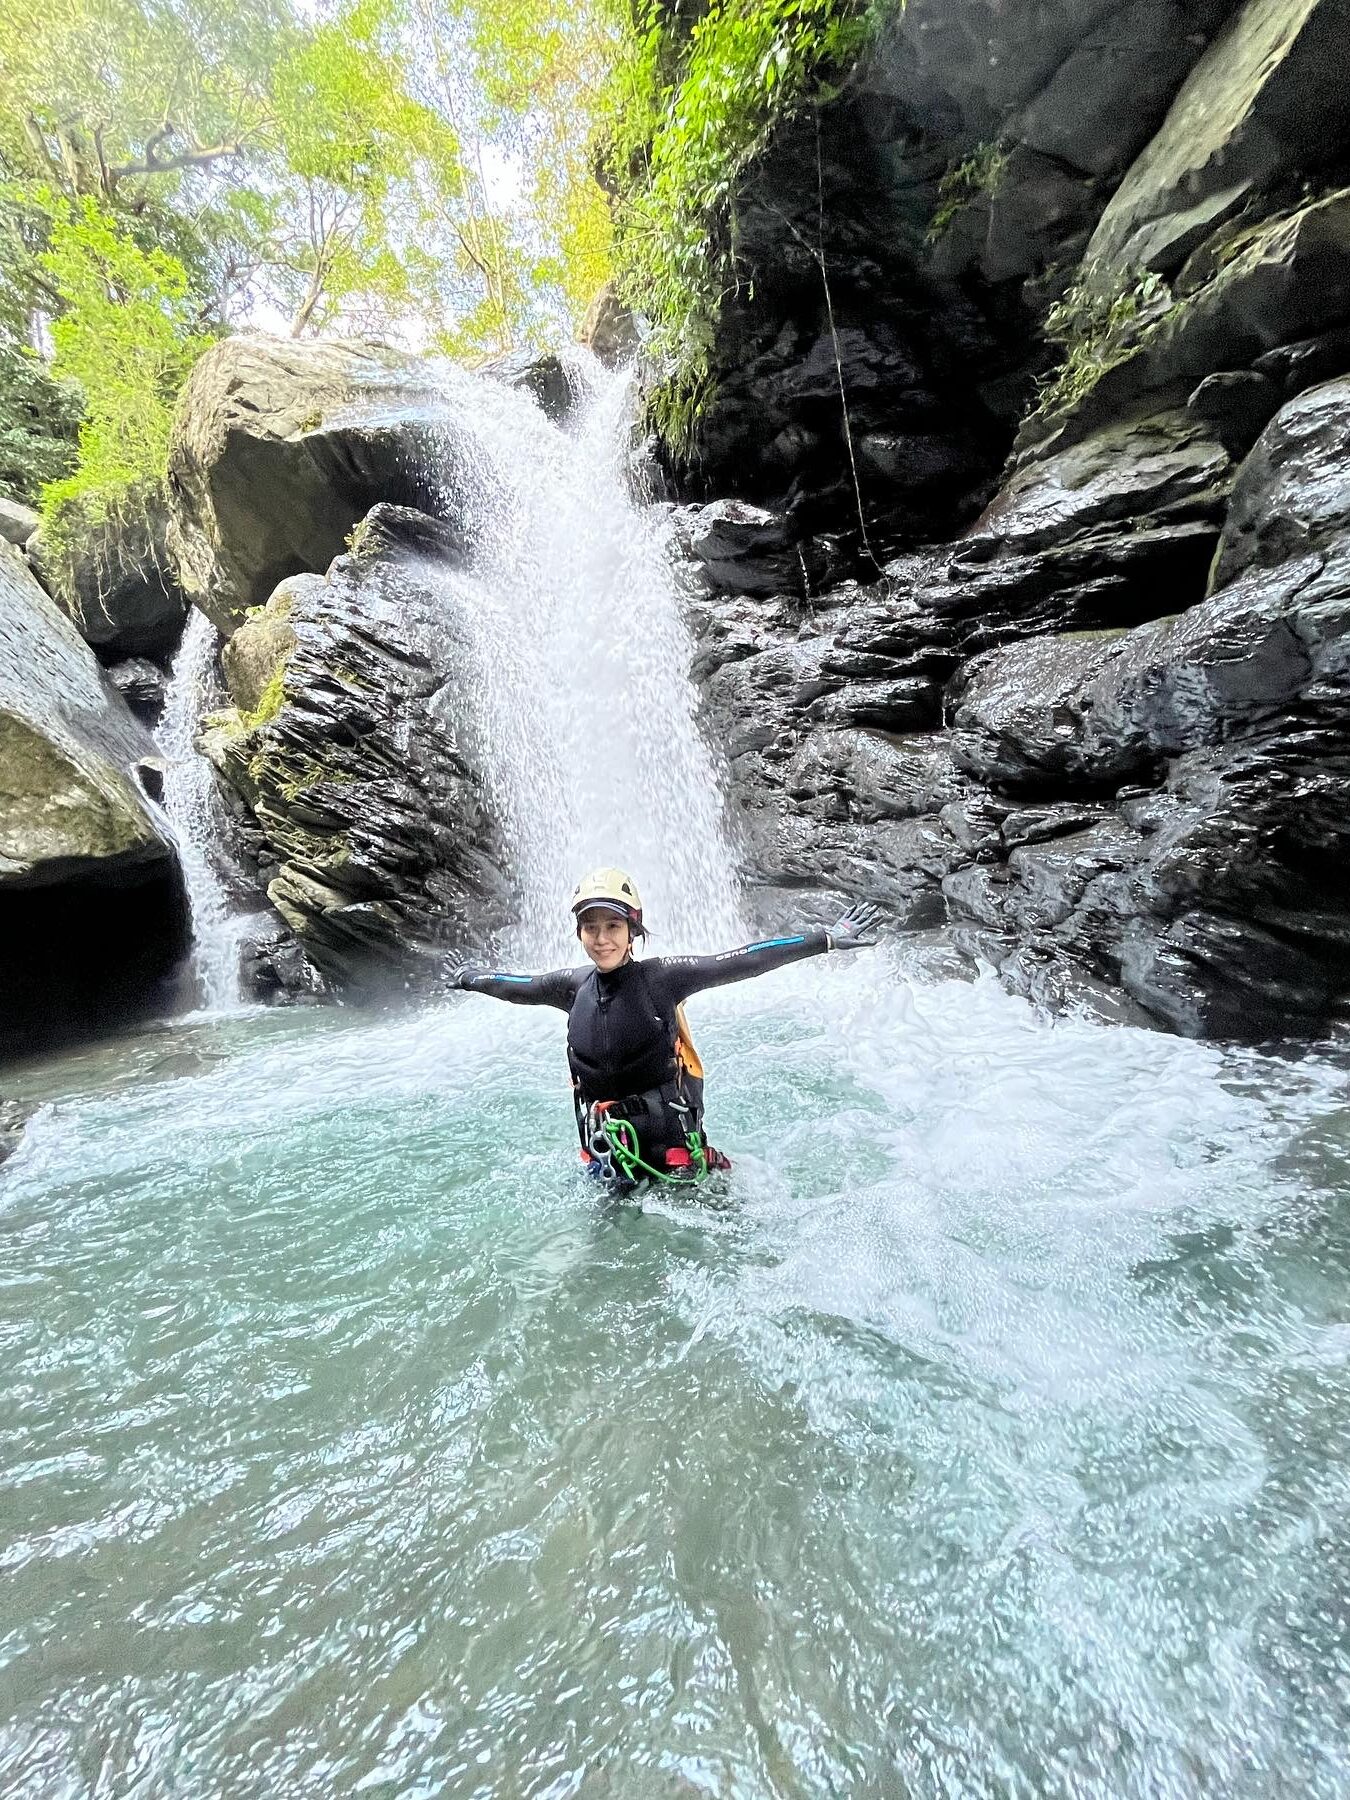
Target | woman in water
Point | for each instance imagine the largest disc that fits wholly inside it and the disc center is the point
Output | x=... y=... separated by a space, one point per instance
x=637 y=1081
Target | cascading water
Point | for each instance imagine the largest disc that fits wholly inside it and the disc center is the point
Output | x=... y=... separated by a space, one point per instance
x=191 y=803
x=992 y=1440
x=585 y=714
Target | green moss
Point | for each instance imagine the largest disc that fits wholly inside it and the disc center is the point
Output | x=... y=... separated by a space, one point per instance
x=270 y=702
x=979 y=173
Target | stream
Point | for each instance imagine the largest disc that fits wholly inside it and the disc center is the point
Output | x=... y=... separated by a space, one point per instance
x=987 y=1435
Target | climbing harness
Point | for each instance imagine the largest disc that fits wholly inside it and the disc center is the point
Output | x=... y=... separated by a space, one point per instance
x=611 y=1146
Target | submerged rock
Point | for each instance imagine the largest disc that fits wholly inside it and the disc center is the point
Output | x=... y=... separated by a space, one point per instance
x=373 y=832
x=92 y=912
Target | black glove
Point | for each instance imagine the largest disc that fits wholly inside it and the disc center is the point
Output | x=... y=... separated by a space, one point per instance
x=857 y=929
x=460 y=972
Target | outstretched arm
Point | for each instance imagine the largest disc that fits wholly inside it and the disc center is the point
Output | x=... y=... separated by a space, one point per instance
x=681 y=976
x=557 y=987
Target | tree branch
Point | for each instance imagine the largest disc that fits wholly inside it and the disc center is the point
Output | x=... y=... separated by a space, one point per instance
x=198 y=156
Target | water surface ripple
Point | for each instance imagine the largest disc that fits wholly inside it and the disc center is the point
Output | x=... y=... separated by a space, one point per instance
x=989 y=1439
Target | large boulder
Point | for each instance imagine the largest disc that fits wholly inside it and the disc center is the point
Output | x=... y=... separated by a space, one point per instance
x=371 y=827
x=17 y=521
x=1292 y=494
x=279 y=448
x=92 y=913
x=1267 y=99
x=115 y=579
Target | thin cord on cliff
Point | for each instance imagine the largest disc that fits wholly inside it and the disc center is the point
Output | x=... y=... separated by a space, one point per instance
x=816 y=252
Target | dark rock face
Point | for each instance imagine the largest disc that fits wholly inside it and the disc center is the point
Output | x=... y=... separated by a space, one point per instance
x=1157 y=811
x=118 y=585
x=915 y=451
x=1293 y=495
x=944 y=201
x=17 y=521
x=1103 y=730
x=609 y=330
x=93 y=919
x=364 y=809
x=548 y=378
x=275 y=970
x=142 y=684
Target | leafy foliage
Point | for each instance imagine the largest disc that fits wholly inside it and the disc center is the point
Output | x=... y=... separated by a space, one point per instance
x=39 y=417
x=1098 y=329
x=168 y=165
x=696 y=104
x=979 y=173
x=126 y=337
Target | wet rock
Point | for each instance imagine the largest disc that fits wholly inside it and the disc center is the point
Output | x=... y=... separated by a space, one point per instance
x=549 y=379
x=610 y=330
x=116 y=581
x=279 y=448
x=1308 y=363
x=1039 y=824
x=92 y=913
x=743 y=549
x=1206 y=975
x=376 y=838
x=142 y=684
x=1267 y=97
x=13 y=1118
x=1102 y=709
x=274 y=969
x=1050 y=880
x=1275 y=281
x=1160 y=469
x=1235 y=404
x=256 y=656
x=1292 y=494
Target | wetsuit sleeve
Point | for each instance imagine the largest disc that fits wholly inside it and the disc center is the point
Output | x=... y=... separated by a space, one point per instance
x=557 y=987
x=677 y=977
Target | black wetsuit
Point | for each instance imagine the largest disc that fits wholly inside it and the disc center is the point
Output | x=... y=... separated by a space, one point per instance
x=622 y=1031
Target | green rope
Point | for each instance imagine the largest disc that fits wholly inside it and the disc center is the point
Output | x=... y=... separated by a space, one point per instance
x=623 y=1147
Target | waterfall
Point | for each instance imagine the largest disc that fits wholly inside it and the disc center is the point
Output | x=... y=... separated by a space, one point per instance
x=192 y=806
x=585 y=716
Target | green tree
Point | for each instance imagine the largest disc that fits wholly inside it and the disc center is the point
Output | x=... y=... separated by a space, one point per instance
x=126 y=337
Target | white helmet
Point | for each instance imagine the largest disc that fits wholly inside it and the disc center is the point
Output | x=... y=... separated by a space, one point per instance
x=612 y=890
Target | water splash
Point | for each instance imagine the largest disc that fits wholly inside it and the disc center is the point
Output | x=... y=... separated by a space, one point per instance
x=584 y=713
x=193 y=807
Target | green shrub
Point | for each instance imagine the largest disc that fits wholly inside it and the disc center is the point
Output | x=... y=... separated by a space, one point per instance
x=979 y=173
x=699 y=98
x=39 y=419
x=127 y=339
x=1098 y=329
x=270 y=701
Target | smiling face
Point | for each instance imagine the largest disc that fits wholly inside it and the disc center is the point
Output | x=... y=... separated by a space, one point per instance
x=605 y=937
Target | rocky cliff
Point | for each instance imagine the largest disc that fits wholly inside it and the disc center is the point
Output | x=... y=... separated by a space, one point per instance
x=1080 y=703
x=92 y=915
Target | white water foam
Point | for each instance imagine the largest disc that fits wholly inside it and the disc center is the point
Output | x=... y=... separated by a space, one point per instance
x=192 y=806
x=584 y=710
